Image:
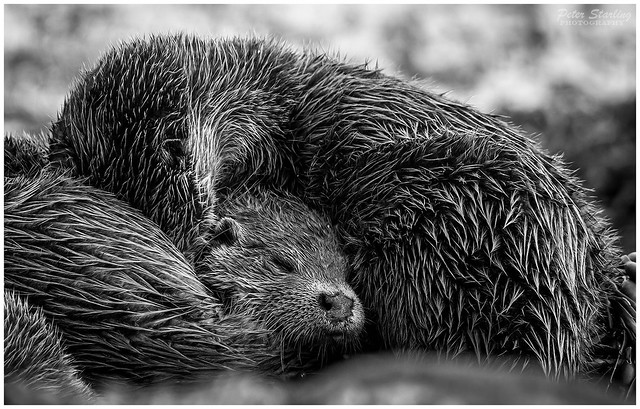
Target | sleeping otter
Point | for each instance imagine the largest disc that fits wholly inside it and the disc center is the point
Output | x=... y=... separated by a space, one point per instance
x=462 y=233
x=130 y=307
x=271 y=250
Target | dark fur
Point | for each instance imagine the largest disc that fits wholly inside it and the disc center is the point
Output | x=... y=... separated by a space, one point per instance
x=272 y=259
x=25 y=154
x=462 y=233
x=129 y=306
x=35 y=359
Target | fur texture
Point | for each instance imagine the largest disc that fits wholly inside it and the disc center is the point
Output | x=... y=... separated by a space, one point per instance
x=461 y=232
x=129 y=306
x=25 y=154
x=35 y=359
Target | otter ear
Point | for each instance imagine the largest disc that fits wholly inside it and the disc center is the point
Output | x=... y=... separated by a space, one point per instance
x=226 y=231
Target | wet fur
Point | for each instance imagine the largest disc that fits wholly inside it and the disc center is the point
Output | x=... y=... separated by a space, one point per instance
x=128 y=304
x=461 y=232
x=35 y=359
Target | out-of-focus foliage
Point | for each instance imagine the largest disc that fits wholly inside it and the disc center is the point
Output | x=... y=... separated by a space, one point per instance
x=572 y=84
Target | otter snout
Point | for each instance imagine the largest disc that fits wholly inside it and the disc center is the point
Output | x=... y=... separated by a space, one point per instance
x=338 y=306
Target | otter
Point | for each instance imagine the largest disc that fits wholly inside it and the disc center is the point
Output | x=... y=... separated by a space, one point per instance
x=130 y=308
x=25 y=154
x=269 y=250
x=36 y=359
x=461 y=232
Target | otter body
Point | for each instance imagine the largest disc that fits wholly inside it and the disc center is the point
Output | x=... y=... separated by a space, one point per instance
x=130 y=307
x=25 y=154
x=461 y=232
x=35 y=358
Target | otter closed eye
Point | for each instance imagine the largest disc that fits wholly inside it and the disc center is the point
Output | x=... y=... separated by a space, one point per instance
x=283 y=264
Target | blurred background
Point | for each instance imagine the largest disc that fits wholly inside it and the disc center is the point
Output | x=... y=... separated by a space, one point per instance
x=559 y=74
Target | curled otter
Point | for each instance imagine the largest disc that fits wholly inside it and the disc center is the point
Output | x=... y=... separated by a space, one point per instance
x=129 y=306
x=462 y=233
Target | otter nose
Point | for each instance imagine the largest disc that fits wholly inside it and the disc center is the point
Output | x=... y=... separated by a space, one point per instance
x=338 y=306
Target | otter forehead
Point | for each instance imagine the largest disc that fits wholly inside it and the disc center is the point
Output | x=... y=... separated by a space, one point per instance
x=267 y=216
x=291 y=247
x=281 y=235
x=293 y=228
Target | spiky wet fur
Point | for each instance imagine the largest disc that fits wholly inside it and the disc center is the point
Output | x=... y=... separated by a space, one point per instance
x=25 y=154
x=35 y=358
x=462 y=233
x=128 y=304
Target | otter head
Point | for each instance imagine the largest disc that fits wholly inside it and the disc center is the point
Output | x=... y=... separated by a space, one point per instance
x=277 y=263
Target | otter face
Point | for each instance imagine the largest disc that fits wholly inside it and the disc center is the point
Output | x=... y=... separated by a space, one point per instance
x=278 y=264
